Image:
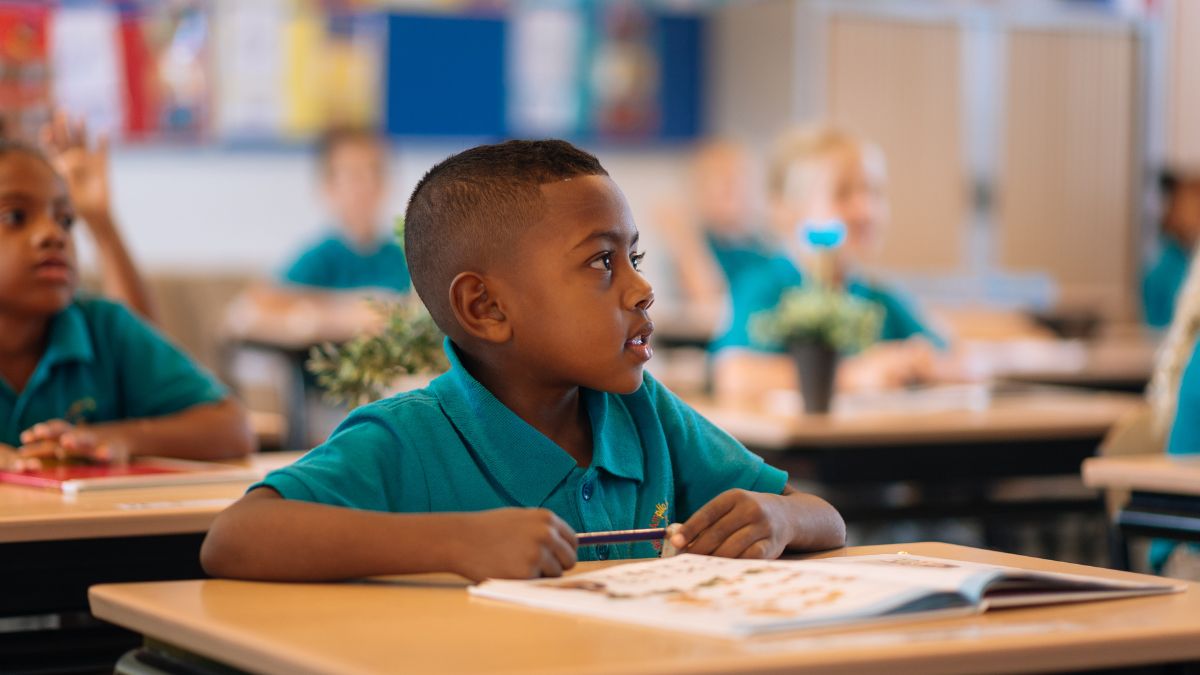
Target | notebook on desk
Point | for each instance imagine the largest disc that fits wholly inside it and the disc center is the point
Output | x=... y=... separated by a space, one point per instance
x=143 y=472
x=739 y=598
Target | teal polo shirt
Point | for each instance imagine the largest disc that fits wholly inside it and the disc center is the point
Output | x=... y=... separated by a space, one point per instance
x=1162 y=282
x=1184 y=439
x=103 y=364
x=735 y=256
x=453 y=446
x=761 y=288
x=334 y=264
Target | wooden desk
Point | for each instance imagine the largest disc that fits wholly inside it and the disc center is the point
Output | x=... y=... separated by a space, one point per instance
x=1119 y=362
x=430 y=624
x=954 y=457
x=1164 y=499
x=54 y=546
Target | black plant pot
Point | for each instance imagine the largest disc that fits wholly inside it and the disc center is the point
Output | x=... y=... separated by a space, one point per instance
x=817 y=366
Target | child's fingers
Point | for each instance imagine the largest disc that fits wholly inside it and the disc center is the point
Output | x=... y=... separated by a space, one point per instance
x=565 y=532
x=550 y=565
x=738 y=543
x=45 y=431
x=43 y=450
x=563 y=551
x=703 y=519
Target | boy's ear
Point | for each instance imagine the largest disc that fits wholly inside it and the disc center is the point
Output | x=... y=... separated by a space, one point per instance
x=477 y=309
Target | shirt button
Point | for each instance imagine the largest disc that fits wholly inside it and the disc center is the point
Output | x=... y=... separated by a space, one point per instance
x=602 y=553
x=587 y=491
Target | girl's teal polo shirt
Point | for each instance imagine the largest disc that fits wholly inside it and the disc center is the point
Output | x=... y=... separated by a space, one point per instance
x=102 y=364
x=761 y=288
x=453 y=446
x=1184 y=439
x=334 y=264
x=1161 y=284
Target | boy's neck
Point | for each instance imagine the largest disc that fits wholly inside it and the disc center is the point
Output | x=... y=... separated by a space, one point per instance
x=557 y=412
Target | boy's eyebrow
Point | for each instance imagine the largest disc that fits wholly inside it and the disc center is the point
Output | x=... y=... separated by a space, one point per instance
x=614 y=235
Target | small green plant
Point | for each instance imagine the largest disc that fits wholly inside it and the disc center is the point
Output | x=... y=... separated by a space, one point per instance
x=363 y=369
x=818 y=316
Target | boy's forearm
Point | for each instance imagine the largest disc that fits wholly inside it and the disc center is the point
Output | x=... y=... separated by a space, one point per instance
x=817 y=526
x=119 y=275
x=218 y=430
x=270 y=538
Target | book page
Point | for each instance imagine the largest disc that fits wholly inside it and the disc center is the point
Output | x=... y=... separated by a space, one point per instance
x=720 y=596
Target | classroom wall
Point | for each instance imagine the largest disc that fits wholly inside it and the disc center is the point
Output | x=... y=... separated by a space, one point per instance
x=241 y=211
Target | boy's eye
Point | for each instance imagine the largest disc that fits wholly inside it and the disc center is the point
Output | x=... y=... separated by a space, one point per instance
x=636 y=259
x=66 y=220
x=602 y=262
x=13 y=217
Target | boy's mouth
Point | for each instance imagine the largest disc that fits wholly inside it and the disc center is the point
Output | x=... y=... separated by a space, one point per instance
x=639 y=343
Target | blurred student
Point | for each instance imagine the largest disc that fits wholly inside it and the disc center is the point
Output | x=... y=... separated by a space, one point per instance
x=818 y=175
x=1175 y=399
x=83 y=377
x=1180 y=232
x=84 y=169
x=714 y=235
x=320 y=294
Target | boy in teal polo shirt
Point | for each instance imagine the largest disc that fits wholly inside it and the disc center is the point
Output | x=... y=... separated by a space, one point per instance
x=353 y=165
x=86 y=377
x=525 y=254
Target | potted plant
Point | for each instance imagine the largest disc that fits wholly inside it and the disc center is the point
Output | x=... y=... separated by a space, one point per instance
x=372 y=366
x=816 y=325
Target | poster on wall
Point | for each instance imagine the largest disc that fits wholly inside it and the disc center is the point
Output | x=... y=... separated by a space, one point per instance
x=249 y=68
x=24 y=68
x=86 y=62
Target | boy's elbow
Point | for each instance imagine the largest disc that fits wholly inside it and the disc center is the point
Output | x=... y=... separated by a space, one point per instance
x=219 y=555
x=239 y=439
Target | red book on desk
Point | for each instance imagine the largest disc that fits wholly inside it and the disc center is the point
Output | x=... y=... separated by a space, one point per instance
x=148 y=472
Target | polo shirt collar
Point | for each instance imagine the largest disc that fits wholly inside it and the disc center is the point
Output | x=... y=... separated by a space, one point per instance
x=70 y=339
x=522 y=460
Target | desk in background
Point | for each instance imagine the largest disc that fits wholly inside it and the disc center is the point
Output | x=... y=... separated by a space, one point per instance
x=955 y=451
x=1164 y=499
x=430 y=624
x=54 y=546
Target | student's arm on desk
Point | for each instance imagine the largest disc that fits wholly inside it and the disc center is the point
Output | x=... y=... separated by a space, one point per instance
x=266 y=537
x=217 y=430
x=302 y=315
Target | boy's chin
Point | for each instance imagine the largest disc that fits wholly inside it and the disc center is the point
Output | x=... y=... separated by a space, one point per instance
x=625 y=385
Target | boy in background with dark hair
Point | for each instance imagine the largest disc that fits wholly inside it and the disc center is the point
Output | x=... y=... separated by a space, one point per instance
x=546 y=424
x=1180 y=195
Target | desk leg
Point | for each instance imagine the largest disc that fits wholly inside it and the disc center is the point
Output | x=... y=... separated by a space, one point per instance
x=1118 y=547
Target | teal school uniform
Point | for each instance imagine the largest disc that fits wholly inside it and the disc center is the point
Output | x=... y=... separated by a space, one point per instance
x=760 y=289
x=103 y=364
x=453 y=446
x=1161 y=283
x=336 y=265
x=735 y=256
x=1184 y=439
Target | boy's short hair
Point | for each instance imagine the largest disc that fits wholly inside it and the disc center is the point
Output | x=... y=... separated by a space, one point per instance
x=811 y=143
x=335 y=137
x=469 y=210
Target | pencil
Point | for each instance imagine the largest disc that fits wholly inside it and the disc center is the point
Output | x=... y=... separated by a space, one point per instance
x=593 y=538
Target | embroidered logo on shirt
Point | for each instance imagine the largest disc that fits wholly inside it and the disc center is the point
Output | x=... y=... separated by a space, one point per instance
x=659 y=520
x=78 y=412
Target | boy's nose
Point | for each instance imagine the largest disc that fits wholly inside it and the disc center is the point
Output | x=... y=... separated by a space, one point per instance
x=49 y=234
x=643 y=295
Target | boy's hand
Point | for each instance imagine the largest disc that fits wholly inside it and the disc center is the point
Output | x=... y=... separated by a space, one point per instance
x=58 y=439
x=738 y=524
x=84 y=168
x=10 y=459
x=514 y=544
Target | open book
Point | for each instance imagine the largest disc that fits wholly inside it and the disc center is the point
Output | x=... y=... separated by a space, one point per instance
x=732 y=598
x=142 y=472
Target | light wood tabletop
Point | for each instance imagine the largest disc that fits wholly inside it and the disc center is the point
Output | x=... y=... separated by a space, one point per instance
x=39 y=514
x=949 y=414
x=430 y=624
x=1171 y=474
